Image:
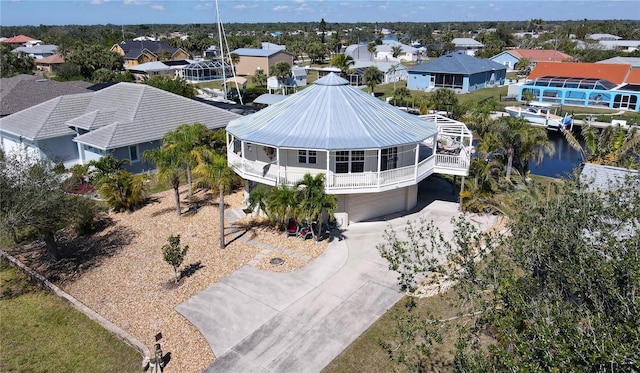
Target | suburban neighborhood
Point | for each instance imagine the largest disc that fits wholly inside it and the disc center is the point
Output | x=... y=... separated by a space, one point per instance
x=320 y=196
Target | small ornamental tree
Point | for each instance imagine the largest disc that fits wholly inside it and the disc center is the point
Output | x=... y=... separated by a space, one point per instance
x=174 y=254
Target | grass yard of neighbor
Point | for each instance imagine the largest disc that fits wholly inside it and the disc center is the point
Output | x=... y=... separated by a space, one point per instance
x=43 y=333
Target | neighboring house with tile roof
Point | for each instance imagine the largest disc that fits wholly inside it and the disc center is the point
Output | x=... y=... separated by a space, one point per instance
x=457 y=71
x=123 y=120
x=467 y=46
x=21 y=40
x=511 y=57
x=142 y=51
x=252 y=59
x=373 y=155
x=48 y=64
x=607 y=178
x=24 y=91
x=599 y=85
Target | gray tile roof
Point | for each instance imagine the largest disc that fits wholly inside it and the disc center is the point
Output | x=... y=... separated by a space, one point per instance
x=121 y=115
x=457 y=63
x=134 y=48
x=332 y=115
x=23 y=91
x=606 y=178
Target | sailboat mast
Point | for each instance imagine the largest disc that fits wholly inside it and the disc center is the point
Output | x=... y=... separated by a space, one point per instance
x=224 y=76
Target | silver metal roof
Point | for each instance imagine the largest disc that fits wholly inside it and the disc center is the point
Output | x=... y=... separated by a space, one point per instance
x=332 y=115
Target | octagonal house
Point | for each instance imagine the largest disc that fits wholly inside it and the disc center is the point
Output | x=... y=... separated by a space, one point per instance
x=373 y=155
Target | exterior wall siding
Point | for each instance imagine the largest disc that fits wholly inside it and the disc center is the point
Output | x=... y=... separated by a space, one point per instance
x=248 y=65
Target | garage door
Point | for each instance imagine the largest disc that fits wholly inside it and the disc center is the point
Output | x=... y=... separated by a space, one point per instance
x=371 y=205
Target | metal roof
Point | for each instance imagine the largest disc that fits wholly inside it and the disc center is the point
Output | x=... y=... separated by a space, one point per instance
x=457 y=63
x=332 y=115
x=253 y=52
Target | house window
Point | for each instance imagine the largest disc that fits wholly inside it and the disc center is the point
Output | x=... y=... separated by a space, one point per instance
x=357 y=161
x=389 y=159
x=349 y=161
x=133 y=153
x=342 y=162
x=307 y=156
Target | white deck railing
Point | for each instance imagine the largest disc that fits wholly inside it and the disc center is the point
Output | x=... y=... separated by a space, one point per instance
x=269 y=173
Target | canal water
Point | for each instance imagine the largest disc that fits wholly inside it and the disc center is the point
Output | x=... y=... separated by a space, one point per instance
x=564 y=160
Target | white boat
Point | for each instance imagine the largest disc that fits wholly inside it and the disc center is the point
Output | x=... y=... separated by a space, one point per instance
x=540 y=113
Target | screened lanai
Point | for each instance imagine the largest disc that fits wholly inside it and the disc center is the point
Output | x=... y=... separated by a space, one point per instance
x=588 y=92
x=203 y=71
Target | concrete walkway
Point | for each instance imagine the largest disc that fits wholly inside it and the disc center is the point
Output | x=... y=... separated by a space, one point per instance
x=258 y=321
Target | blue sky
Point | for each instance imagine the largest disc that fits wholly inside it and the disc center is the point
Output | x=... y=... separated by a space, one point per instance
x=87 y=12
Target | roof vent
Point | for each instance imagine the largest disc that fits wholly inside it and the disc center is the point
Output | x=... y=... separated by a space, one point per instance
x=41 y=80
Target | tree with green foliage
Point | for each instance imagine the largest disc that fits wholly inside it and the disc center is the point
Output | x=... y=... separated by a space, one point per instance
x=342 y=62
x=32 y=198
x=401 y=93
x=316 y=52
x=312 y=200
x=178 y=86
x=443 y=99
x=371 y=48
x=186 y=139
x=323 y=30
x=372 y=76
x=12 y=64
x=281 y=70
x=174 y=255
x=281 y=203
x=396 y=50
x=612 y=146
x=123 y=191
x=518 y=143
x=170 y=164
x=259 y=78
x=89 y=58
x=214 y=173
x=557 y=291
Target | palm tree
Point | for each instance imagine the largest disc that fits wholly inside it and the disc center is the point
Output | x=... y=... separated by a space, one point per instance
x=281 y=203
x=401 y=93
x=213 y=172
x=396 y=50
x=281 y=70
x=393 y=70
x=611 y=146
x=342 y=62
x=372 y=76
x=259 y=78
x=170 y=163
x=517 y=141
x=123 y=191
x=258 y=198
x=313 y=202
x=371 y=47
x=185 y=139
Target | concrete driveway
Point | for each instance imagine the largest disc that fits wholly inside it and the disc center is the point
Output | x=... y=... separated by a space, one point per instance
x=257 y=321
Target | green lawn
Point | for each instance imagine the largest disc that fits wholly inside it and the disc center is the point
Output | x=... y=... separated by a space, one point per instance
x=42 y=333
x=366 y=355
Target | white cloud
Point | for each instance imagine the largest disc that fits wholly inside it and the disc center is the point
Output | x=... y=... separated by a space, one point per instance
x=203 y=6
x=281 y=8
x=99 y=2
x=298 y=1
x=157 y=6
